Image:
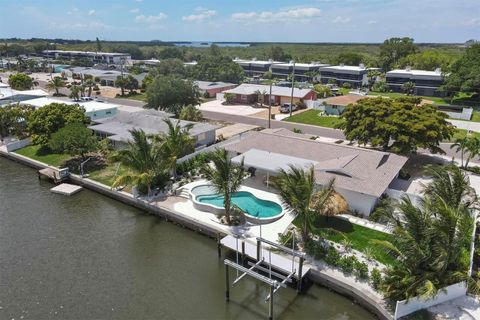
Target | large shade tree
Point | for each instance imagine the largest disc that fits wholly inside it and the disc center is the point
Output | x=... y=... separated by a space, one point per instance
x=21 y=81
x=464 y=74
x=397 y=125
x=225 y=177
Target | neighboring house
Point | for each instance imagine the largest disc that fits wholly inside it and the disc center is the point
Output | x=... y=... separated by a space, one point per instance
x=355 y=76
x=9 y=95
x=361 y=175
x=107 y=77
x=93 y=109
x=303 y=71
x=336 y=105
x=96 y=57
x=117 y=128
x=247 y=94
x=255 y=67
x=212 y=88
x=427 y=83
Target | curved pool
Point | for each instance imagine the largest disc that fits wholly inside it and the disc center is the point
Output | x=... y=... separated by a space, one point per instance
x=256 y=210
x=247 y=202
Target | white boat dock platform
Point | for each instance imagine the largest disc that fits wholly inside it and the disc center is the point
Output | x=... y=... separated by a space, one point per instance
x=66 y=189
x=280 y=263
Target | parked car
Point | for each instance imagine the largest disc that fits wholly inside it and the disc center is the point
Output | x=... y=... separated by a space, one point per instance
x=285 y=108
x=86 y=98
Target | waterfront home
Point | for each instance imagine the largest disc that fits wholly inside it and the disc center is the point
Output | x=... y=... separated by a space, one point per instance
x=336 y=105
x=117 y=128
x=93 y=109
x=361 y=175
x=427 y=83
x=355 y=76
x=210 y=89
x=248 y=93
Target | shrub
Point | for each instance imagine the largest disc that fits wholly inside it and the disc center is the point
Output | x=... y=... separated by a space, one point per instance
x=376 y=278
x=361 y=270
x=346 y=85
x=332 y=257
x=347 y=263
x=296 y=130
x=301 y=105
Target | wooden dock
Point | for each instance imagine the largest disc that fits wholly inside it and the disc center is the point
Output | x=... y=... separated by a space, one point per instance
x=66 y=189
x=279 y=263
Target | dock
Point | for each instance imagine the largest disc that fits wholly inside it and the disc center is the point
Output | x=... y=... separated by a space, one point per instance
x=279 y=263
x=56 y=175
x=66 y=189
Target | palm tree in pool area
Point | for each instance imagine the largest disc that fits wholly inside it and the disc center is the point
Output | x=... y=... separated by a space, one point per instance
x=225 y=177
x=297 y=188
x=142 y=158
x=55 y=84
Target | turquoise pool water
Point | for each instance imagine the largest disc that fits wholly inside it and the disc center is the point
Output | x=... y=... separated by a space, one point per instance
x=247 y=202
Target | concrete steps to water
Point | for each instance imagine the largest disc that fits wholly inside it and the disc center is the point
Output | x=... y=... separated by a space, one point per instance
x=184 y=193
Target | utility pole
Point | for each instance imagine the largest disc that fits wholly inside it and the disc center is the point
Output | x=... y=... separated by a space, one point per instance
x=293 y=82
x=270 y=104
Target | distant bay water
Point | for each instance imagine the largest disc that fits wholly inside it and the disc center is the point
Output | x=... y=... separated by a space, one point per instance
x=199 y=44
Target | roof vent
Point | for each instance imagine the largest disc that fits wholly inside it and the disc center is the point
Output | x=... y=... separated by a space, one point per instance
x=270 y=60
x=254 y=59
x=408 y=68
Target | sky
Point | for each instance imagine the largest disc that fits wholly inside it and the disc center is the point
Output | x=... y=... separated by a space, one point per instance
x=242 y=20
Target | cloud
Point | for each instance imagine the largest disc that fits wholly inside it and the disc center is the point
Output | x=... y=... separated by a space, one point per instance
x=372 y=22
x=151 y=19
x=282 y=15
x=136 y=10
x=73 y=11
x=202 y=15
x=91 y=12
x=340 y=19
x=472 y=22
x=138 y=0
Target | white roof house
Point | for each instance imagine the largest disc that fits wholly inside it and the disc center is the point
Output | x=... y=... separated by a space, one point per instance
x=249 y=89
x=347 y=69
x=9 y=95
x=415 y=74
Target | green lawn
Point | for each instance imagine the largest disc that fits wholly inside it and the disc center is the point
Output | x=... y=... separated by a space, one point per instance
x=53 y=159
x=312 y=117
x=437 y=100
x=358 y=236
x=107 y=174
x=137 y=96
x=475 y=116
x=461 y=133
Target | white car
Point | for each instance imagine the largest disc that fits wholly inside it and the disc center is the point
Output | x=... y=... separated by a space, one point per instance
x=285 y=108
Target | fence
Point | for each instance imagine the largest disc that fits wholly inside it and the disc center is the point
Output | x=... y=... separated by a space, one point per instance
x=451 y=292
x=15 y=145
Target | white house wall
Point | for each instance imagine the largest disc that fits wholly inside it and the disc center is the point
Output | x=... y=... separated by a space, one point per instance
x=363 y=203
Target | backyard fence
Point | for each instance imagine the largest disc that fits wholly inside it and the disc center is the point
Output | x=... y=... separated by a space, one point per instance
x=451 y=292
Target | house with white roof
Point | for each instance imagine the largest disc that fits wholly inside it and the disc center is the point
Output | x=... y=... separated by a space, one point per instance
x=360 y=175
x=427 y=83
x=247 y=93
x=96 y=57
x=303 y=71
x=93 y=109
x=9 y=95
x=255 y=67
x=355 y=76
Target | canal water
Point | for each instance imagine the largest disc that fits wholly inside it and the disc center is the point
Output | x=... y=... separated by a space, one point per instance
x=90 y=257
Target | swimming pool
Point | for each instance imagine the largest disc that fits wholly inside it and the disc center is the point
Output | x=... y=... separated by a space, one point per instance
x=247 y=202
x=256 y=210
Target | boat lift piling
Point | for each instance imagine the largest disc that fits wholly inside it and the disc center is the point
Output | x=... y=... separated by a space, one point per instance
x=256 y=269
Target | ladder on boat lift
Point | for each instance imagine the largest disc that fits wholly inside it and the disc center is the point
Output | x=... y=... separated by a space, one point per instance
x=256 y=268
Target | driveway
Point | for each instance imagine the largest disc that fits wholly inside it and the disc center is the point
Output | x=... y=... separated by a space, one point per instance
x=466 y=125
x=239 y=110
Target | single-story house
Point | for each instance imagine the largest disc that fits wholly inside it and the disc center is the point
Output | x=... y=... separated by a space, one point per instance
x=9 y=95
x=93 y=109
x=117 y=128
x=336 y=105
x=248 y=93
x=361 y=175
x=212 y=88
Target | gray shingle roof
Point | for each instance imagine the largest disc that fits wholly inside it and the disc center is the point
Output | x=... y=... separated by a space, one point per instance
x=357 y=169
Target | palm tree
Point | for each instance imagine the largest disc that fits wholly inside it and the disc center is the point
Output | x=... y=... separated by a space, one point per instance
x=75 y=92
x=142 y=158
x=225 y=176
x=55 y=84
x=190 y=113
x=176 y=143
x=261 y=94
x=473 y=149
x=297 y=190
x=408 y=87
x=89 y=84
x=461 y=145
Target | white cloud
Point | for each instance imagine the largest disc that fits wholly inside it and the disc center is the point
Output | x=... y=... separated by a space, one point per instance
x=136 y=10
x=340 y=19
x=472 y=22
x=372 y=22
x=282 y=15
x=91 y=12
x=151 y=19
x=201 y=16
x=73 y=11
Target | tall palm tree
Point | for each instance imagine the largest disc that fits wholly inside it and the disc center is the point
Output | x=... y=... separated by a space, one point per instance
x=176 y=143
x=460 y=145
x=142 y=158
x=408 y=87
x=55 y=84
x=260 y=96
x=297 y=190
x=473 y=149
x=89 y=84
x=225 y=176
x=75 y=92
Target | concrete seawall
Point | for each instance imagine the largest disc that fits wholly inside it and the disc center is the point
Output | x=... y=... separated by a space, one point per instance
x=315 y=275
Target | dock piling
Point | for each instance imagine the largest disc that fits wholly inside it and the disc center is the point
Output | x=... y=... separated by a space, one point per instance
x=270 y=310
x=227 y=284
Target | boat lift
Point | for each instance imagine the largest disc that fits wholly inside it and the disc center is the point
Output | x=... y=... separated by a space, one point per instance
x=261 y=265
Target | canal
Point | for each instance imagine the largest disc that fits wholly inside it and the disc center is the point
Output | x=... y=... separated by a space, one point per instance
x=90 y=257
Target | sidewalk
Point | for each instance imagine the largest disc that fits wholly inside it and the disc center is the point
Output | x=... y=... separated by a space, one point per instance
x=465 y=125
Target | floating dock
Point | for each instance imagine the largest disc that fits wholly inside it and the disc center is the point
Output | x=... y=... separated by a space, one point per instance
x=66 y=189
x=56 y=175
